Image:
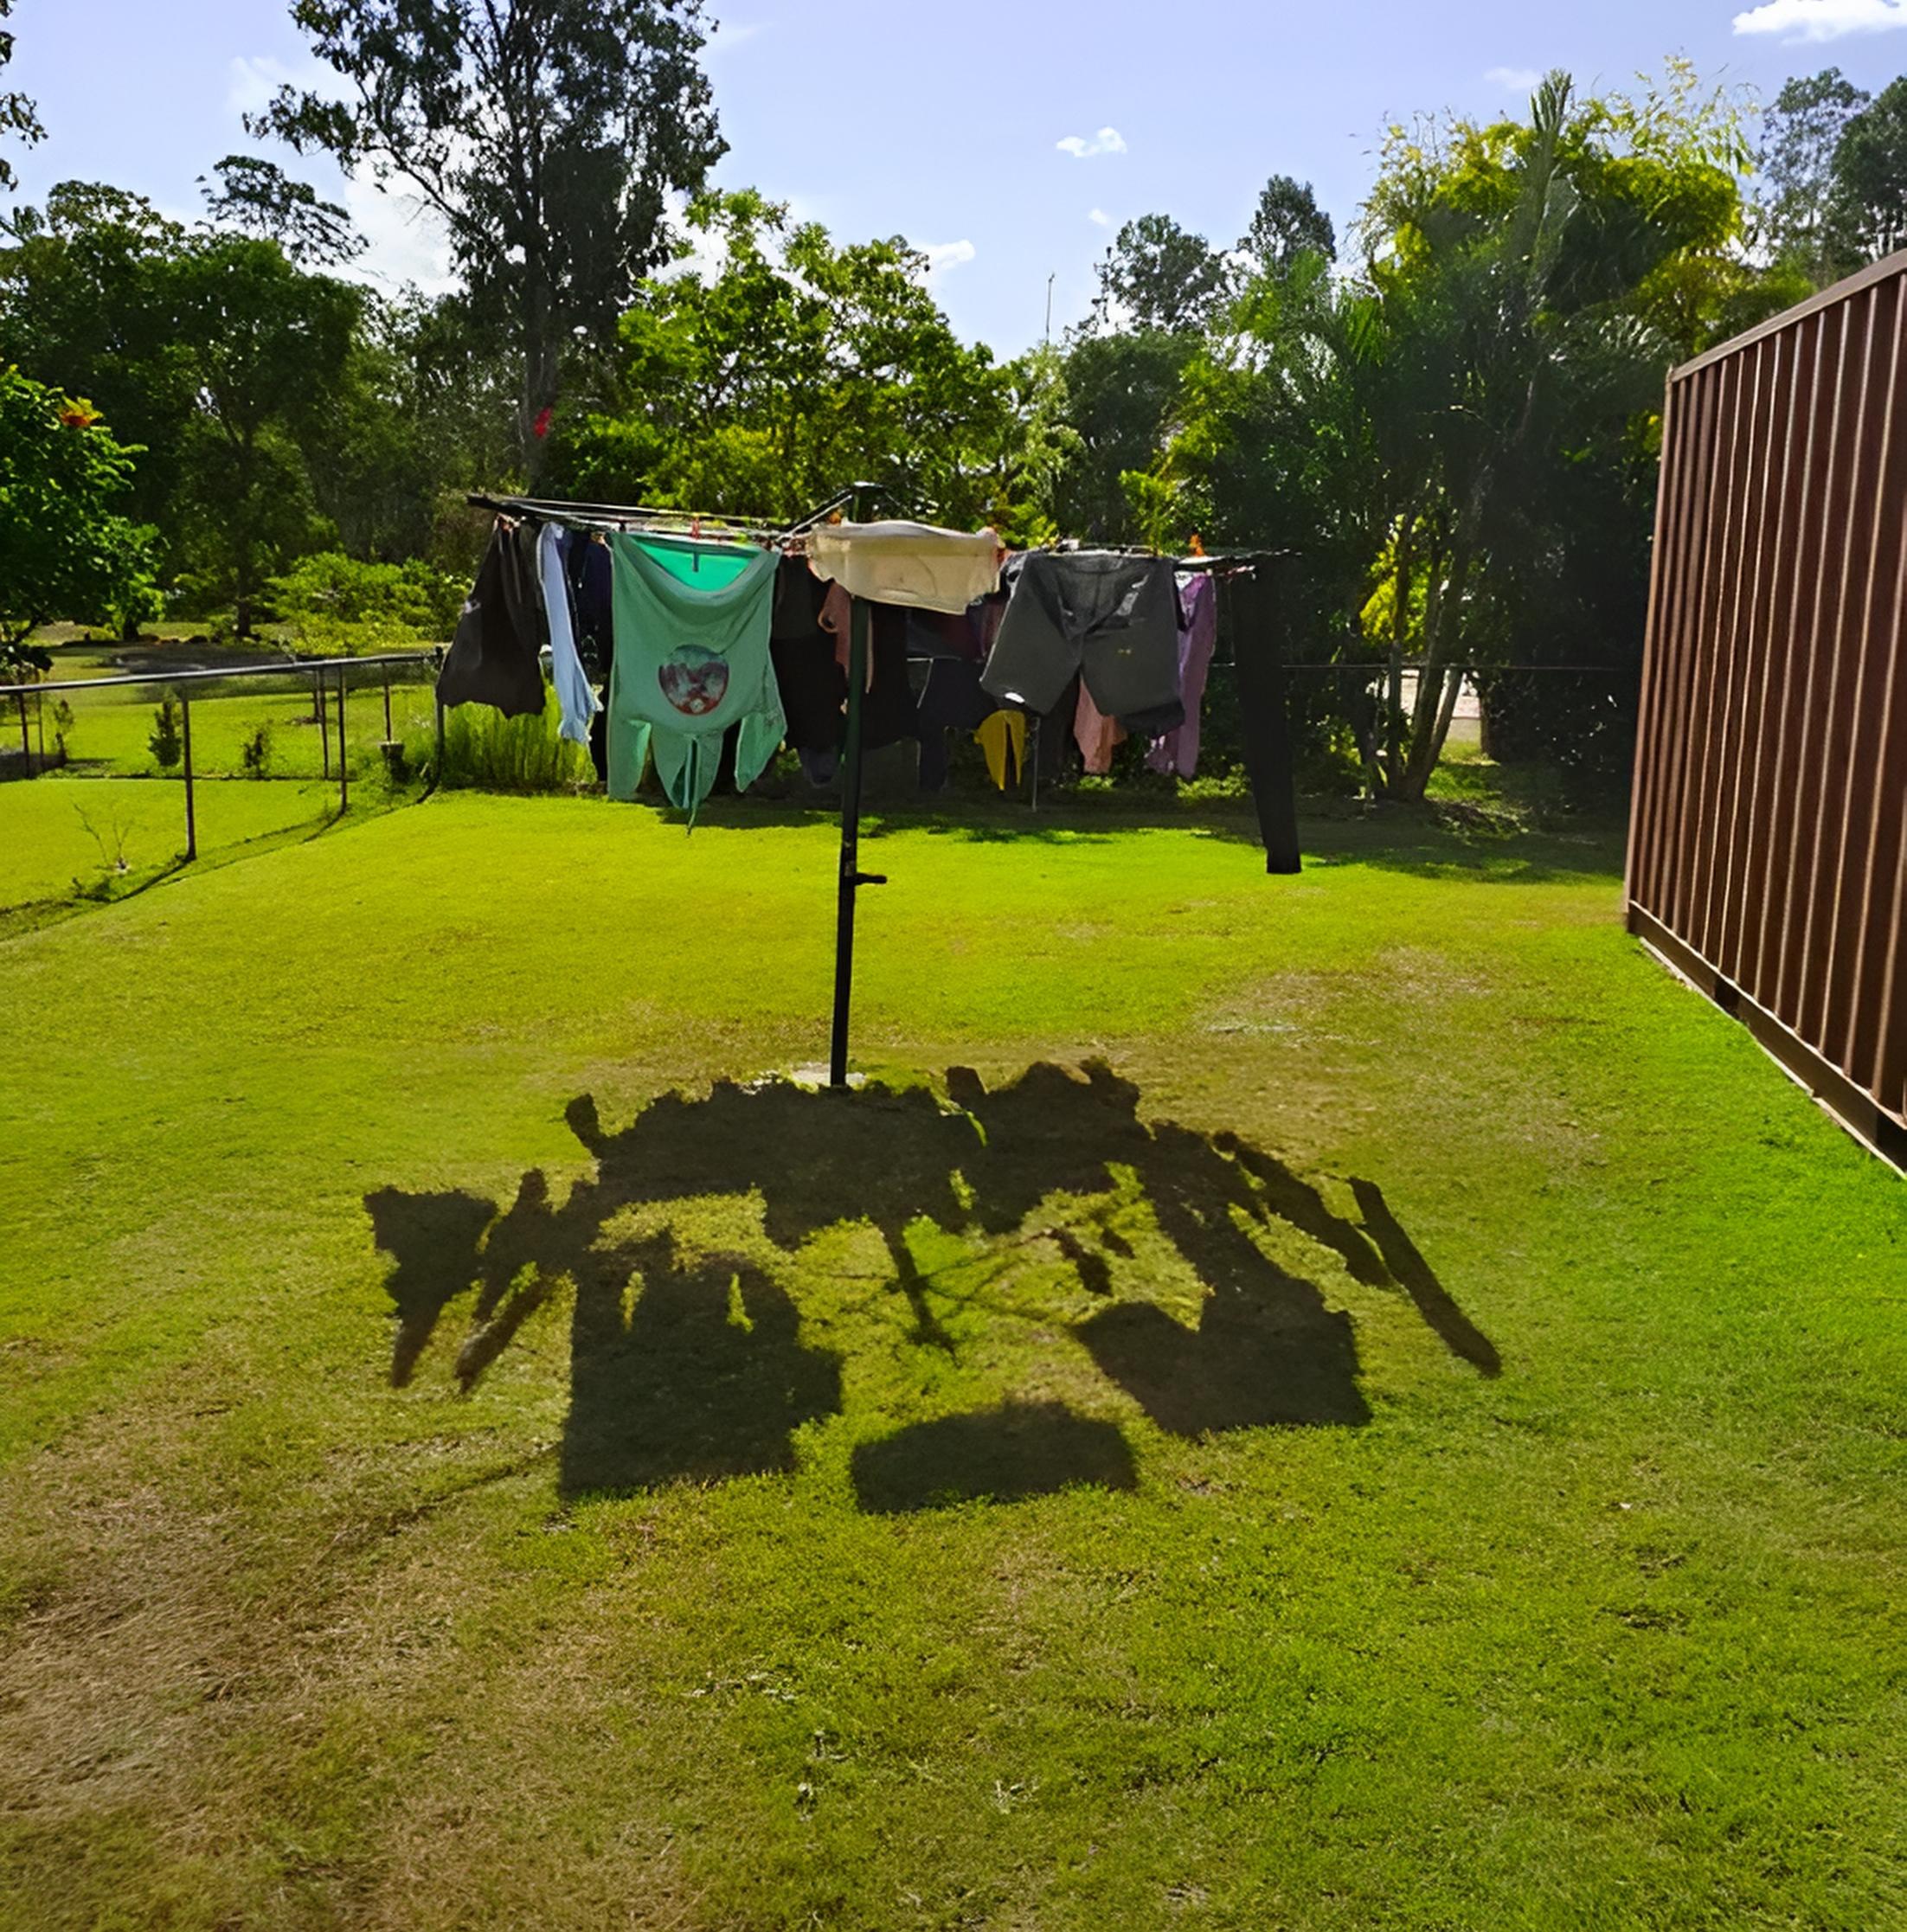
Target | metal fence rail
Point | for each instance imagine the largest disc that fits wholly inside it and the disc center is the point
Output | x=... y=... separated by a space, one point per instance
x=1767 y=860
x=330 y=680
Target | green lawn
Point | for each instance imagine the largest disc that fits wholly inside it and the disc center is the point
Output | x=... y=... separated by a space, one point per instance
x=1337 y=1402
x=62 y=835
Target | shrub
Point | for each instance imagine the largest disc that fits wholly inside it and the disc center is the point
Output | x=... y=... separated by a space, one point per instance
x=335 y=606
x=167 y=741
x=483 y=748
x=255 y=755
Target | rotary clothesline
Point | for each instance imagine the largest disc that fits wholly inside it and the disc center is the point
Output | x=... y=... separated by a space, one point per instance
x=683 y=606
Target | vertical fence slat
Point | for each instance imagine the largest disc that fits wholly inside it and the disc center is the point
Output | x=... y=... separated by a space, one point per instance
x=1722 y=773
x=1848 y=836
x=1686 y=473
x=1830 y=771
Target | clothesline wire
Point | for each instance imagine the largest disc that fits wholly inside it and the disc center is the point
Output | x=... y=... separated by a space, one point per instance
x=614 y=516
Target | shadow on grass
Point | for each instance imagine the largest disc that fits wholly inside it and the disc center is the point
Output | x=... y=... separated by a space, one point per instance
x=688 y=1366
x=1440 y=840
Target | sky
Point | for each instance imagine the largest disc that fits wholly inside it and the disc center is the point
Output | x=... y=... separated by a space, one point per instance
x=1009 y=144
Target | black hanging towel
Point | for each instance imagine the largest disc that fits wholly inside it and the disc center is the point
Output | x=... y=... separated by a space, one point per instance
x=1258 y=597
x=496 y=656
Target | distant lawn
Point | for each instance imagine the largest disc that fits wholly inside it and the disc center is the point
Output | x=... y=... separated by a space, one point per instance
x=1337 y=1403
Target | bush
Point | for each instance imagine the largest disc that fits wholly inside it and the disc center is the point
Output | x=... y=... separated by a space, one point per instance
x=483 y=748
x=255 y=755
x=336 y=606
x=167 y=741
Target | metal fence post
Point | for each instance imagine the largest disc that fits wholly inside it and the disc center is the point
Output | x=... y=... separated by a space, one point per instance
x=26 y=743
x=324 y=718
x=387 y=704
x=343 y=764
x=852 y=877
x=191 y=817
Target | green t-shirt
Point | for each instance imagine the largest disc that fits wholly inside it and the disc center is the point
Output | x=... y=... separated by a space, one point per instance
x=691 y=658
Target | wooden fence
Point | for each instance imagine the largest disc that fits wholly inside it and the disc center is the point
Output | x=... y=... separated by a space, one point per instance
x=1767 y=857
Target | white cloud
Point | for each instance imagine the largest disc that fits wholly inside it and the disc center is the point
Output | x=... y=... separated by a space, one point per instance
x=725 y=38
x=253 y=79
x=1099 y=218
x=1515 y=81
x=943 y=255
x=1108 y=140
x=408 y=241
x=1822 y=20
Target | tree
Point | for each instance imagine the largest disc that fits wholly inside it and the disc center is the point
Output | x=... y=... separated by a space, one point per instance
x=257 y=197
x=1867 y=213
x=548 y=134
x=798 y=365
x=65 y=549
x=1157 y=276
x=1288 y=223
x=18 y=117
x=87 y=304
x=1804 y=131
x=266 y=346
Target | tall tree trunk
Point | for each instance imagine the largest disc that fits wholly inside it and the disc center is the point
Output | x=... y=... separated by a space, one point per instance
x=541 y=359
x=244 y=546
x=1400 y=625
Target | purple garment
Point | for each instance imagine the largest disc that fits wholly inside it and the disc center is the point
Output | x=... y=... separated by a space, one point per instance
x=1178 y=751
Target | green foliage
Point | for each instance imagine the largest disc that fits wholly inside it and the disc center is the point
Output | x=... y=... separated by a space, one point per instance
x=1867 y=212
x=17 y=114
x=258 y=198
x=255 y=755
x=484 y=749
x=764 y=384
x=335 y=606
x=167 y=741
x=65 y=549
x=1158 y=277
x=549 y=135
x=1800 y=136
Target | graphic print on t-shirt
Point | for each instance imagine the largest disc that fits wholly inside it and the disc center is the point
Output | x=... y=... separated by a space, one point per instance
x=693 y=680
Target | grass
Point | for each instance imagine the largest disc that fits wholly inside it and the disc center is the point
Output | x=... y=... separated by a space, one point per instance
x=1404 y=1431
x=65 y=836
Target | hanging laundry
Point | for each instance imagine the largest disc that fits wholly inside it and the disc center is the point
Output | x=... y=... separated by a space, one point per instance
x=1097 y=736
x=591 y=587
x=1264 y=710
x=692 y=624
x=496 y=658
x=1177 y=753
x=914 y=565
x=1114 y=619
x=814 y=686
x=951 y=701
x=578 y=703
x=888 y=713
x=1002 y=738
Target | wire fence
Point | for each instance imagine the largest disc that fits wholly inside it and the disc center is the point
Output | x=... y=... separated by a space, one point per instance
x=135 y=773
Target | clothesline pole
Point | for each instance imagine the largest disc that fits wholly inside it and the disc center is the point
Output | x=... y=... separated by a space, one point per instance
x=192 y=816
x=852 y=878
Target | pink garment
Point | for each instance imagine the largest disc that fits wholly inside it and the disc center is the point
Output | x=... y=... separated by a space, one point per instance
x=835 y=617
x=1096 y=734
x=1177 y=753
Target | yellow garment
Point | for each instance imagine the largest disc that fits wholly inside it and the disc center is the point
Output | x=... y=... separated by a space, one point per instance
x=1002 y=738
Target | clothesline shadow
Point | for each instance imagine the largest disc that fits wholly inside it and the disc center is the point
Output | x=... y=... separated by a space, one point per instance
x=692 y=1366
x=1430 y=843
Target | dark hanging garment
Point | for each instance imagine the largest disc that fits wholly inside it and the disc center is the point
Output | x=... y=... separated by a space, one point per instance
x=592 y=574
x=495 y=658
x=1113 y=619
x=952 y=701
x=888 y=712
x=1257 y=642
x=815 y=688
